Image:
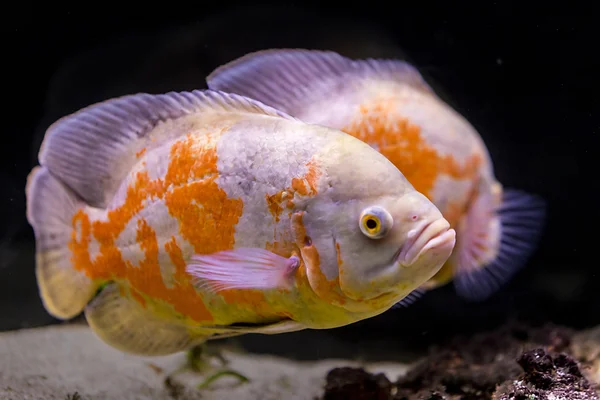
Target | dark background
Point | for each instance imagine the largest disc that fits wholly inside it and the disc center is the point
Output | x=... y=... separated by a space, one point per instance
x=524 y=74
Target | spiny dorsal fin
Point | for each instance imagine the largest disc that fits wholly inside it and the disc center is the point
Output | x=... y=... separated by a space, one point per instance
x=93 y=149
x=291 y=79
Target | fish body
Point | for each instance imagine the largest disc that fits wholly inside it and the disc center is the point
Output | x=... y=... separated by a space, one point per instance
x=388 y=105
x=172 y=219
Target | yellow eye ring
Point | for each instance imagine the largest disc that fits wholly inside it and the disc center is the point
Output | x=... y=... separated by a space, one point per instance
x=371 y=224
x=375 y=222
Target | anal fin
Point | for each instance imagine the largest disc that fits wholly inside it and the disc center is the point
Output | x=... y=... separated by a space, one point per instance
x=274 y=328
x=410 y=298
x=125 y=325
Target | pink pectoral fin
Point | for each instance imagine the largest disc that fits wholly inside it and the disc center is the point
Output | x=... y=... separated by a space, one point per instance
x=243 y=268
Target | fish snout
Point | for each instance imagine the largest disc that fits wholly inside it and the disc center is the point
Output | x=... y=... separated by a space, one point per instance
x=433 y=238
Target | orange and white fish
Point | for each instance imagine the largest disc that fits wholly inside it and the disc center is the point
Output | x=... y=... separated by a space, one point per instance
x=388 y=104
x=176 y=218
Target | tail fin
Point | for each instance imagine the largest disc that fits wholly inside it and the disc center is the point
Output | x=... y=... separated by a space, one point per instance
x=50 y=210
x=519 y=223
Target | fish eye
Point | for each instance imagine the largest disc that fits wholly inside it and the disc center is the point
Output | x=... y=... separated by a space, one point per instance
x=375 y=222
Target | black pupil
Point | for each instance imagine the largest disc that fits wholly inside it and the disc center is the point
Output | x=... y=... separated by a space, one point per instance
x=371 y=224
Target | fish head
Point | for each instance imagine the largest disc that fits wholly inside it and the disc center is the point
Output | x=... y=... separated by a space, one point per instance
x=374 y=233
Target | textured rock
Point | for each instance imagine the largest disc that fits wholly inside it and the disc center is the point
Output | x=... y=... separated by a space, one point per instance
x=510 y=363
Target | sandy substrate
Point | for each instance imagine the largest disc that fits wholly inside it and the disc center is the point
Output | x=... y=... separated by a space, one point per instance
x=70 y=362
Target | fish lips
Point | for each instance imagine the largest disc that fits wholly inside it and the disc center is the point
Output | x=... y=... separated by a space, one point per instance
x=431 y=243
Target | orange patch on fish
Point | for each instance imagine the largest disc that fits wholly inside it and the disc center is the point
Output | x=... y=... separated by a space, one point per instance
x=252 y=299
x=338 y=253
x=453 y=212
x=274 y=204
x=401 y=142
x=282 y=248
x=206 y=216
x=304 y=186
x=195 y=205
x=328 y=290
x=140 y=153
x=283 y=243
x=307 y=185
x=449 y=166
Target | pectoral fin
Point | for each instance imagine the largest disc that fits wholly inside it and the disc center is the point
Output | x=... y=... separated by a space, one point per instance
x=243 y=268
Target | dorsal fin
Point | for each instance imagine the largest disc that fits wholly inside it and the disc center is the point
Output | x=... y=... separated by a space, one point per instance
x=291 y=79
x=93 y=149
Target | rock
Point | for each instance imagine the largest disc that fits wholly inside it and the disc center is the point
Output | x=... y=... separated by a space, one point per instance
x=472 y=367
x=356 y=384
x=547 y=375
x=513 y=362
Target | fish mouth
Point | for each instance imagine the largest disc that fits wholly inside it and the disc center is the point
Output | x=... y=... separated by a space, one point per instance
x=434 y=237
